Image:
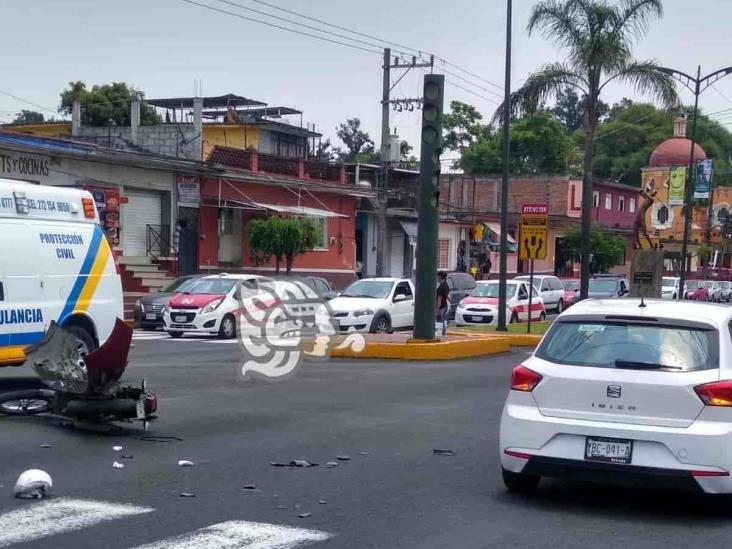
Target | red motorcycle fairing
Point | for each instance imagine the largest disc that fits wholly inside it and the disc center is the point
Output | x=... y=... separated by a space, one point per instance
x=61 y=367
x=106 y=364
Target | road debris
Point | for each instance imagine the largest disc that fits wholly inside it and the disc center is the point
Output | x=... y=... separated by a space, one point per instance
x=118 y=465
x=117 y=448
x=251 y=488
x=185 y=463
x=46 y=445
x=33 y=484
x=343 y=458
x=293 y=463
x=331 y=464
x=126 y=456
x=323 y=502
x=364 y=453
x=187 y=495
x=159 y=438
x=439 y=452
x=304 y=515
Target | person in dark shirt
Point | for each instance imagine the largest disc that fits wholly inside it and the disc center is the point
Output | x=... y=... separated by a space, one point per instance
x=443 y=301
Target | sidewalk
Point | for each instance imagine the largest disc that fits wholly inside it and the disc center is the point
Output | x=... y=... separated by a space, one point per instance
x=455 y=345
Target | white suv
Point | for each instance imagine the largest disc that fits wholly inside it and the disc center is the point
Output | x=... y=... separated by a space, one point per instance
x=550 y=289
x=622 y=393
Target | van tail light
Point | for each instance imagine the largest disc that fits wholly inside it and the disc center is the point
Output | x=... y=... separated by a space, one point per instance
x=709 y=474
x=718 y=393
x=90 y=209
x=523 y=379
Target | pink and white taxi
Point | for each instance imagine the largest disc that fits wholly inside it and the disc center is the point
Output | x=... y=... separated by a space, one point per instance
x=481 y=306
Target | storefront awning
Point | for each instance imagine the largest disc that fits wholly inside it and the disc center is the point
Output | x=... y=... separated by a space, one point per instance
x=496 y=229
x=410 y=228
x=298 y=210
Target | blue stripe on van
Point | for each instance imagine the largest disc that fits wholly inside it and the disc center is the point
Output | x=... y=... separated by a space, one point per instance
x=86 y=266
x=26 y=338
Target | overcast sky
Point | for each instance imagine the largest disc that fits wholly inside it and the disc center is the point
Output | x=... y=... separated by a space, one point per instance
x=161 y=46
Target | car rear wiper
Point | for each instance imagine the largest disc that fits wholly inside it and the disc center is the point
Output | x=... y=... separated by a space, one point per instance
x=637 y=365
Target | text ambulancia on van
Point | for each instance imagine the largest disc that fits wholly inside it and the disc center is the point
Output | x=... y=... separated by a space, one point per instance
x=56 y=265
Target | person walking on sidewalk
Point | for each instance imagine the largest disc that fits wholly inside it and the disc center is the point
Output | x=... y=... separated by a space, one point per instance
x=443 y=301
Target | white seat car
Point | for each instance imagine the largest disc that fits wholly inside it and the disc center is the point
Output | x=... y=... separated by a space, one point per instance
x=621 y=393
x=550 y=289
x=374 y=305
x=670 y=287
x=481 y=306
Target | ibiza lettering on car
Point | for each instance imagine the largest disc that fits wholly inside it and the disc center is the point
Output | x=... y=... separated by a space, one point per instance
x=21 y=316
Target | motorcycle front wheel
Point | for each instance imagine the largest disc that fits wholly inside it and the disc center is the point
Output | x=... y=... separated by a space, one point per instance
x=26 y=403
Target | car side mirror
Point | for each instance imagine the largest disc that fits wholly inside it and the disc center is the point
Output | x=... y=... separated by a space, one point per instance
x=399 y=297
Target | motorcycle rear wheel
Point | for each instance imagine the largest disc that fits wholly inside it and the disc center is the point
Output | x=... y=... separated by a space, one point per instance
x=26 y=403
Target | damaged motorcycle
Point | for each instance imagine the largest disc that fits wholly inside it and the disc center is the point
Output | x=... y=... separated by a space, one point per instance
x=82 y=388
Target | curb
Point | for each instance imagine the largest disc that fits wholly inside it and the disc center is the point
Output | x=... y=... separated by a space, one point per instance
x=472 y=345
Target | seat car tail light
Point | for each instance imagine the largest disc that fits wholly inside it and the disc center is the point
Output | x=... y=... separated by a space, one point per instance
x=90 y=209
x=718 y=393
x=523 y=379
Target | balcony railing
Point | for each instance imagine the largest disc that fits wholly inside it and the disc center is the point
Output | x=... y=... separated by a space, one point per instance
x=251 y=160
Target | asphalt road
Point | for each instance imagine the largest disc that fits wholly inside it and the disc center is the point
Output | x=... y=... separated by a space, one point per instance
x=398 y=495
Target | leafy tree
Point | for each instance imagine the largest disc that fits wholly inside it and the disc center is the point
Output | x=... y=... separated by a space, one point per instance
x=28 y=117
x=569 y=109
x=356 y=140
x=462 y=127
x=598 y=38
x=607 y=248
x=539 y=144
x=324 y=151
x=106 y=102
x=281 y=238
x=405 y=152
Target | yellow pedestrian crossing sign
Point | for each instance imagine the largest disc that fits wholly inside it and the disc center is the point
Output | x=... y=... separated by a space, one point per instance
x=534 y=231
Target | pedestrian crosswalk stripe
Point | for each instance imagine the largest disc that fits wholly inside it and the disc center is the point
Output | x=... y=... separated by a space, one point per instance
x=240 y=534
x=40 y=520
x=152 y=336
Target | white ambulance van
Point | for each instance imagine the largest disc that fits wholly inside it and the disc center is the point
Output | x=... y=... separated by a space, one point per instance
x=55 y=265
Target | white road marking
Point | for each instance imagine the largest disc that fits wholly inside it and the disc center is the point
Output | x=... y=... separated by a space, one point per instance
x=40 y=520
x=240 y=534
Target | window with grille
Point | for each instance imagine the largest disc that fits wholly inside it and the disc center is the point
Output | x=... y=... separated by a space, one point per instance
x=443 y=253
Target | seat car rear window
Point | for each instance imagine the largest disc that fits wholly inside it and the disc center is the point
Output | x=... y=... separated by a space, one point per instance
x=628 y=345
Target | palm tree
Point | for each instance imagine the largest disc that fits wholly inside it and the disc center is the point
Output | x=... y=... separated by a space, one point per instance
x=598 y=38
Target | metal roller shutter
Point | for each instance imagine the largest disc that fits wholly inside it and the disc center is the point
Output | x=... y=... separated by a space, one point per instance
x=143 y=208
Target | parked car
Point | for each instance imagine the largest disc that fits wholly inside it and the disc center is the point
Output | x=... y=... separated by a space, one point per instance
x=670 y=287
x=461 y=285
x=615 y=391
x=375 y=305
x=571 y=291
x=714 y=291
x=608 y=287
x=695 y=290
x=551 y=290
x=210 y=306
x=322 y=288
x=726 y=287
x=481 y=306
x=149 y=308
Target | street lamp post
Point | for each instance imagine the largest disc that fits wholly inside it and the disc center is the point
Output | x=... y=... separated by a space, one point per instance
x=697 y=86
x=503 y=250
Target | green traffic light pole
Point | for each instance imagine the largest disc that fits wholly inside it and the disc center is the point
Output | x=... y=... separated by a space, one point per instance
x=503 y=258
x=427 y=216
x=697 y=86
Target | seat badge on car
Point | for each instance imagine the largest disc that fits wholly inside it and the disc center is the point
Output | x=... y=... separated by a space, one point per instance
x=614 y=391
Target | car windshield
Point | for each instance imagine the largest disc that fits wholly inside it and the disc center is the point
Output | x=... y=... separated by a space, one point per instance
x=491 y=290
x=376 y=289
x=724 y=285
x=667 y=281
x=571 y=285
x=178 y=285
x=631 y=345
x=692 y=284
x=603 y=285
x=214 y=286
x=708 y=283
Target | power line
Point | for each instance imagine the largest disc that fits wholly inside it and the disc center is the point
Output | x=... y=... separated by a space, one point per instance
x=419 y=52
x=453 y=84
x=274 y=25
x=28 y=102
x=727 y=99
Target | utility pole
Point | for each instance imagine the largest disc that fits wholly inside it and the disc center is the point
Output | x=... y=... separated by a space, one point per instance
x=697 y=86
x=385 y=149
x=428 y=213
x=503 y=259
